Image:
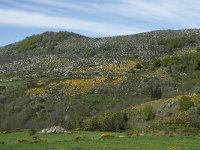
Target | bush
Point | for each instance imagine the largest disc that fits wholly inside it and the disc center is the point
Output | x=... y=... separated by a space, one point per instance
x=182 y=67
x=29 y=43
x=89 y=53
x=177 y=42
x=155 y=91
x=197 y=89
x=198 y=49
x=197 y=65
x=32 y=132
x=194 y=116
x=81 y=138
x=157 y=63
x=138 y=66
x=106 y=135
x=38 y=140
x=23 y=141
x=185 y=103
x=133 y=70
x=109 y=122
x=147 y=112
x=171 y=43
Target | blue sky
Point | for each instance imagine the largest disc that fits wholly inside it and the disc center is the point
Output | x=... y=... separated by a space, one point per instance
x=94 y=18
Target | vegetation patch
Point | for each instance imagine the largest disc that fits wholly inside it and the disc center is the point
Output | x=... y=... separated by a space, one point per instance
x=194 y=116
x=147 y=112
x=177 y=42
x=185 y=103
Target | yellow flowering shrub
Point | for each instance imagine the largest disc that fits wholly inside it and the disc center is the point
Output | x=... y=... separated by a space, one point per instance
x=119 y=68
x=100 y=80
x=35 y=91
x=117 y=80
x=40 y=82
x=74 y=86
x=106 y=135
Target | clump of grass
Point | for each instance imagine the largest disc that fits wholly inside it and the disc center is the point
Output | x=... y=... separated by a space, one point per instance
x=37 y=140
x=23 y=140
x=80 y=138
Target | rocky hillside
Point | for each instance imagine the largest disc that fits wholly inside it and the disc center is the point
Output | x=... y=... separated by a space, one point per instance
x=64 y=78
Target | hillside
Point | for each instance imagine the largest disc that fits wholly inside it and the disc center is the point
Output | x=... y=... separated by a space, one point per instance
x=67 y=79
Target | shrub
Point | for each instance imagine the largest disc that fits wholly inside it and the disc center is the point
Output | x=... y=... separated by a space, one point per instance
x=17 y=130
x=197 y=65
x=182 y=67
x=155 y=91
x=23 y=141
x=138 y=66
x=32 y=132
x=2 y=142
x=147 y=112
x=157 y=63
x=106 y=135
x=115 y=122
x=109 y=122
x=197 y=89
x=29 y=43
x=185 y=103
x=194 y=116
x=94 y=124
x=133 y=70
x=171 y=43
x=176 y=42
x=89 y=53
x=80 y=138
x=38 y=140
x=198 y=49
x=51 y=46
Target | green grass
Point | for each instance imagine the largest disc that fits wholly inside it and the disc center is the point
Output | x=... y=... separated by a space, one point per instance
x=92 y=141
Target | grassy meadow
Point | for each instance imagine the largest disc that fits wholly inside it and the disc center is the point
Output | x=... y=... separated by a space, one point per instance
x=80 y=140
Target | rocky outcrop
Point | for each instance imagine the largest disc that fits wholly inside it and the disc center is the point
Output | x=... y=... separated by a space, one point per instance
x=54 y=129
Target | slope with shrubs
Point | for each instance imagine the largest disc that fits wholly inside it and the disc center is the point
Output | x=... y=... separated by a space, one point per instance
x=174 y=115
x=67 y=79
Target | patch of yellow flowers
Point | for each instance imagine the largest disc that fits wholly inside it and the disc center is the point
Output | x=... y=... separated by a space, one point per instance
x=73 y=86
x=35 y=91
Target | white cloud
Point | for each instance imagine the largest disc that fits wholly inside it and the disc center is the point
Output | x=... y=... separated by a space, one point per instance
x=156 y=14
x=24 y=18
x=137 y=9
x=61 y=4
x=25 y=6
x=138 y=15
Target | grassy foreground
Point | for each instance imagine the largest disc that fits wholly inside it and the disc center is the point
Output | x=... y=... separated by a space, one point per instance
x=93 y=141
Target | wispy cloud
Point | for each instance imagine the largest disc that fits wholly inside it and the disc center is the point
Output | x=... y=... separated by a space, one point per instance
x=23 y=18
x=61 y=4
x=102 y=17
x=169 y=13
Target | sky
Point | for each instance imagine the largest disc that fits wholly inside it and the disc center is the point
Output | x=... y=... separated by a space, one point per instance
x=94 y=18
